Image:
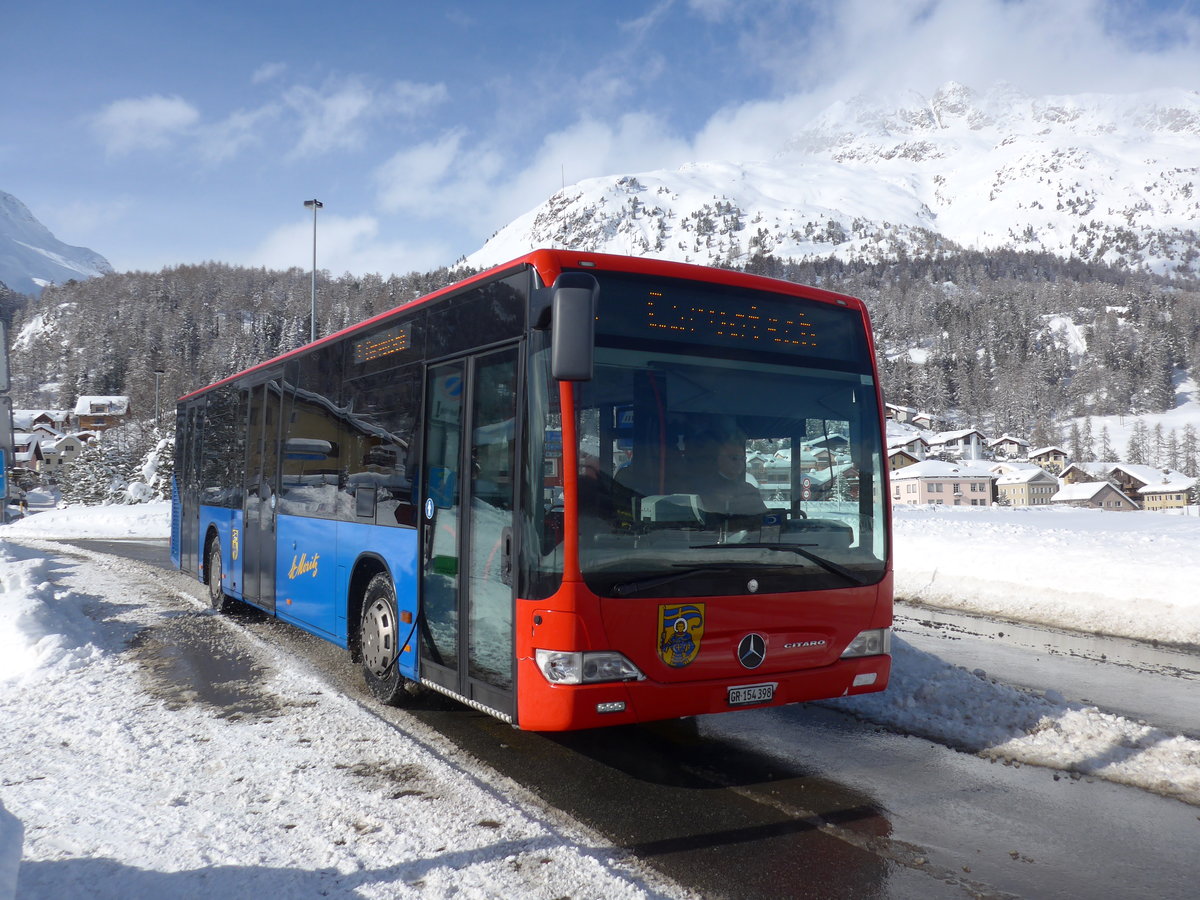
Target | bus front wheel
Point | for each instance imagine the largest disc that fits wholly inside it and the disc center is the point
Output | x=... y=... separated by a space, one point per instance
x=379 y=639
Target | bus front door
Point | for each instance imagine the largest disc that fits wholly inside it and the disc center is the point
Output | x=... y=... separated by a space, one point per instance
x=262 y=480
x=467 y=527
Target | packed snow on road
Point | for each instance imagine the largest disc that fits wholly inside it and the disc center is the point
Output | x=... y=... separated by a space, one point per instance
x=108 y=790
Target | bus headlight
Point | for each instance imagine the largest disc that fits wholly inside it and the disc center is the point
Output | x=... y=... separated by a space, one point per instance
x=565 y=667
x=870 y=643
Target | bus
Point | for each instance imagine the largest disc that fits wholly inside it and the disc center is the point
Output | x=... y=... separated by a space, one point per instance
x=572 y=491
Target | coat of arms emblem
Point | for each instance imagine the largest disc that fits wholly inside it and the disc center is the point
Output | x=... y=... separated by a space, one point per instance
x=680 y=629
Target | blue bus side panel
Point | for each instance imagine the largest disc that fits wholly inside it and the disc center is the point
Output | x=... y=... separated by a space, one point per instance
x=314 y=562
x=306 y=575
x=228 y=525
x=176 y=523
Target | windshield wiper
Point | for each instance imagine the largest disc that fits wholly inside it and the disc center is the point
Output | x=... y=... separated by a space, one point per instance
x=827 y=564
x=633 y=587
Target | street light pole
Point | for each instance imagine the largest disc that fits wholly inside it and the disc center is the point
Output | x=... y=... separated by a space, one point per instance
x=314 y=205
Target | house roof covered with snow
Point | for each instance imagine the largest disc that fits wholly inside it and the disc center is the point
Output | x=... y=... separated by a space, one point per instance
x=1083 y=490
x=100 y=405
x=1025 y=476
x=936 y=468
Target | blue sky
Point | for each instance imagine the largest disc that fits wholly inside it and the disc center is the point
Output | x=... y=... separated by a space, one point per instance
x=160 y=133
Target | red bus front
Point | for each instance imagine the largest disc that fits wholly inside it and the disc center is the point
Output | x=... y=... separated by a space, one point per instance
x=706 y=525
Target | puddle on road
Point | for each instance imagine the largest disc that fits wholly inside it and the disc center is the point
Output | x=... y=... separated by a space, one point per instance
x=192 y=658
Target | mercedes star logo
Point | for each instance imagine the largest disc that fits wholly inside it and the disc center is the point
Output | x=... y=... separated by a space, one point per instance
x=752 y=650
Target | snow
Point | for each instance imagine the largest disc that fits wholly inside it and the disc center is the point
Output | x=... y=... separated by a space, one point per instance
x=124 y=794
x=345 y=805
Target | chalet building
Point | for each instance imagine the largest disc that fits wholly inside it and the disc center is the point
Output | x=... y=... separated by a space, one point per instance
x=1156 y=498
x=101 y=413
x=1009 y=447
x=27 y=450
x=942 y=484
x=60 y=452
x=914 y=444
x=48 y=420
x=1086 y=471
x=1155 y=488
x=1028 y=485
x=898 y=459
x=1093 y=495
x=966 y=444
x=1052 y=459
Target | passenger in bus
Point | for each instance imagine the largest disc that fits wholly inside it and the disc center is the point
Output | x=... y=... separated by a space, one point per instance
x=718 y=462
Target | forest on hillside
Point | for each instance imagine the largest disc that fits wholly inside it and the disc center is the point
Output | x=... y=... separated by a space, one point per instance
x=987 y=340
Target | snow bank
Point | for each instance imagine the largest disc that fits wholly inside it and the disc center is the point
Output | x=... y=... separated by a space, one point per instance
x=930 y=697
x=1131 y=574
x=42 y=629
x=142 y=520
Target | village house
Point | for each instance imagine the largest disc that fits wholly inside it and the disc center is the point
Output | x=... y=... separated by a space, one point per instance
x=1009 y=447
x=899 y=458
x=1052 y=459
x=965 y=444
x=101 y=413
x=1086 y=471
x=1026 y=485
x=910 y=443
x=1156 y=489
x=60 y=452
x=27 y=450
x=41 y=420
x=942 y=484
x=1093 y=495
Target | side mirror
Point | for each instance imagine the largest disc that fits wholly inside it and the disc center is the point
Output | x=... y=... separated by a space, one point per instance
x=573 y=324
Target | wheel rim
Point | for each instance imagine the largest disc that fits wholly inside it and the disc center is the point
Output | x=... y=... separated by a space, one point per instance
x=378 y=637
x=215 y=576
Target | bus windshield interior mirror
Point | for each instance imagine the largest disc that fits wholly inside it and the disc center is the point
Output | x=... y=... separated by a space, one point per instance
x=574 y=326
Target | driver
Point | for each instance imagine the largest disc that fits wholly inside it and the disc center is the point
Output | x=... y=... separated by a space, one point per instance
x=719 y=467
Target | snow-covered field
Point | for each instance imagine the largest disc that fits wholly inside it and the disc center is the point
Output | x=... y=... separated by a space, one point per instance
x=121 y=795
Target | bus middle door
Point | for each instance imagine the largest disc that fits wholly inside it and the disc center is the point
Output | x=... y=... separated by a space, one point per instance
x=262 y=484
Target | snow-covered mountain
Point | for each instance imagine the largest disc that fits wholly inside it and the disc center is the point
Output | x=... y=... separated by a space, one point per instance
x=31 y=257
x=1104 y=177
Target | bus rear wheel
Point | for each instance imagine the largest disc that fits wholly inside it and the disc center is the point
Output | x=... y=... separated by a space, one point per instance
x=220 y=601
x=379 y=641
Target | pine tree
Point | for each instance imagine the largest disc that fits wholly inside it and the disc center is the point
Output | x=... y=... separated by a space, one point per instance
x=1137 y=453
x=1189 y=452
x=1107 y=453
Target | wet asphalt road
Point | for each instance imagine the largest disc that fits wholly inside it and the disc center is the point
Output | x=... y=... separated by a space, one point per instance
x=797 y=802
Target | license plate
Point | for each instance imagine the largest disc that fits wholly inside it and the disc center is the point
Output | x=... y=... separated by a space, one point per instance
x=751 y=693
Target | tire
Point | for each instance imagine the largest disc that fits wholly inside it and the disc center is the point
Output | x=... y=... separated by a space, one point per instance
x=379 y=638
x=215 y=569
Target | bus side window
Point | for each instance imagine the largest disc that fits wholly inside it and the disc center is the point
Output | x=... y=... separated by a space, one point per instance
x=379 y=431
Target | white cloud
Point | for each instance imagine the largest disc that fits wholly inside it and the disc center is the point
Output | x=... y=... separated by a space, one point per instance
x=868 y=46
x=474 y=185
x=268 y=72
x=144 y=123
x=336 y=116
x=347 y=244
x=241 y=129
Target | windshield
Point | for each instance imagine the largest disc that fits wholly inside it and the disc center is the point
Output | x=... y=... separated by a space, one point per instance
x=709 y=470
